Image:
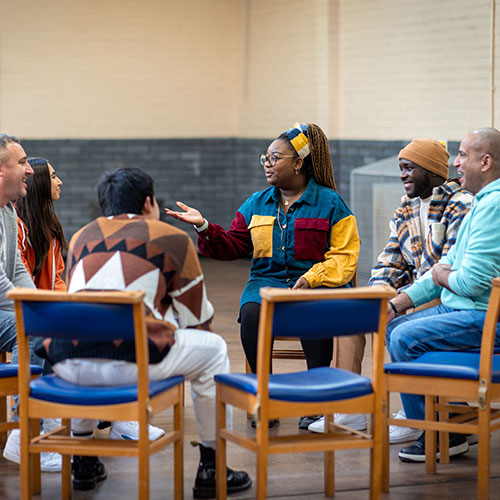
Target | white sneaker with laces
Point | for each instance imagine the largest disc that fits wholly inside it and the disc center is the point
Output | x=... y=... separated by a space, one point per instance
x=128 y=429
x=356 y=421
x=49 y=461
x=402 y=434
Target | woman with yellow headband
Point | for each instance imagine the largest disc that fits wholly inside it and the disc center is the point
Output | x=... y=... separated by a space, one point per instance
x=300 y=231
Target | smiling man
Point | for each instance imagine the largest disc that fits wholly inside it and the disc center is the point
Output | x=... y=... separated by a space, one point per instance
x=461 y=279
x=14 y=170
x=422 y=230
x=425 y=225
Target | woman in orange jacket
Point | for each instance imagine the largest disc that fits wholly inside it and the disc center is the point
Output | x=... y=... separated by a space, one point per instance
x=40 y=235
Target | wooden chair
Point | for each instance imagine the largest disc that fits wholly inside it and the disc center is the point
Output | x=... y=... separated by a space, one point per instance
x=97 y=316
x=314 y=314
x=9 y=387
x=291 y=352
x=444 y=377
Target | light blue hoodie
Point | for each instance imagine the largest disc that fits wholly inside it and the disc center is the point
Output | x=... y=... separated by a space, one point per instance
x=474 y=259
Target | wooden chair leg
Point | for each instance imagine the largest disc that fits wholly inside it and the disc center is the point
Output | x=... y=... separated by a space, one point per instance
x=430 y=436
x=262 y=459
x=483 y=453
x=143 y=476
x=385 y=448
x=28 y=461
x=36 y=466
x=262 y=438
x=444 y=437
x=3 y=418
x=329 y=465
x=66 y=463
x=220 y=456
x=66 y=477
x=143 y=486
x=179 y=446
x=376 y=458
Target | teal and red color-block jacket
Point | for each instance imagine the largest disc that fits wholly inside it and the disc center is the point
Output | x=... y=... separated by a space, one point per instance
x=317 y=238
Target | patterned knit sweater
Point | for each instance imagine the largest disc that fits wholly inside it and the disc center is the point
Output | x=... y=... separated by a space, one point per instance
x=129 y=252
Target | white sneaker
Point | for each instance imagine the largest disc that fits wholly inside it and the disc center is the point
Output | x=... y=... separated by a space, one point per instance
x=356 y=421
x=402 y=434
x=49 y=461
x=125 y=429
x=49 y=424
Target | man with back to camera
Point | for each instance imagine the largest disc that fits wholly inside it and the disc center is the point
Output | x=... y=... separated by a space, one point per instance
x=422 y=230
x=129 y=248
x=14 y=169
x=461 y=279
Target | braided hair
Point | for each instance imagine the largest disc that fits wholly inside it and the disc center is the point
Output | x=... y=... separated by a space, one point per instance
x=317 y=164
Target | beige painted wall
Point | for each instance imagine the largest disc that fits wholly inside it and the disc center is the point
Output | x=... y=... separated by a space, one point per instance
x=290 y=70
x=362 y=69
x=414 y=68
x=120 y=68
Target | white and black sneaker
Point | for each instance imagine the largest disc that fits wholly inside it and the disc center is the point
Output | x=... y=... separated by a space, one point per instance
x=416 y=452
x=125 y=429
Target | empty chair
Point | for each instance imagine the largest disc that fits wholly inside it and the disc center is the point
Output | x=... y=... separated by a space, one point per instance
x=308 y=314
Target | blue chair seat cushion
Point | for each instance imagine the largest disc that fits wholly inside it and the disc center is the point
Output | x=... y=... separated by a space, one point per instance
x=54 y=389
x=460 y=365
x=317 y=384
x=9 y=370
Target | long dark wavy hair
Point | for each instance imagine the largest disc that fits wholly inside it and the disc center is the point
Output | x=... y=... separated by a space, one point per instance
x=36 y=210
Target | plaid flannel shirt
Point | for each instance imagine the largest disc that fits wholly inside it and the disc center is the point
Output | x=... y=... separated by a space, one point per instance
x=404 y=257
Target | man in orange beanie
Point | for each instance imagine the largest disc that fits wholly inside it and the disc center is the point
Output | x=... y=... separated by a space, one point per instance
x=425 y=225
x=423 y=229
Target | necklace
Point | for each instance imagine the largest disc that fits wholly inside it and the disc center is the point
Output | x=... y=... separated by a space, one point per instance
x=292 y=198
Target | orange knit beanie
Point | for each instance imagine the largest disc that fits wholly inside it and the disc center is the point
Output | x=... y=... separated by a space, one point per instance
x=429 y=154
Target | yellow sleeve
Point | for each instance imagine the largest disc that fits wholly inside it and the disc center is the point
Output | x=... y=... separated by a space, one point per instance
x=341 y=259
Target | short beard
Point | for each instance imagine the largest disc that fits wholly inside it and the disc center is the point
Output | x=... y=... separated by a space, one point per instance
x=422 y=186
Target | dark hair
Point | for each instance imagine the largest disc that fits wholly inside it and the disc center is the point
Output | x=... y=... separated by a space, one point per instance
x=318 y=163
x=36 y=210
x=5 y=140
x=124 y=191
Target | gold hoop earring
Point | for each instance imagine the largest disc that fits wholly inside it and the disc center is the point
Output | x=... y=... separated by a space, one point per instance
x=297 y=171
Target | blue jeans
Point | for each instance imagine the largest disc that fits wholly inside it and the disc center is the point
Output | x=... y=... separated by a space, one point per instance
x=438 y=328
x=8 y=343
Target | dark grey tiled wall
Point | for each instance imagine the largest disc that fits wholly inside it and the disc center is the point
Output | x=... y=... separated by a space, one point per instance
x=213 y=175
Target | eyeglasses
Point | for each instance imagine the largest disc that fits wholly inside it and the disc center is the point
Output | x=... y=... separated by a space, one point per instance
x=272 y=159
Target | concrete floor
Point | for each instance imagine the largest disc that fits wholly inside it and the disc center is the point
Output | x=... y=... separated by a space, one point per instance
x=297 y=476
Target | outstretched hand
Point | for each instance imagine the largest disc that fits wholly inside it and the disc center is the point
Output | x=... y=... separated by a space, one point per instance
x=189 y=215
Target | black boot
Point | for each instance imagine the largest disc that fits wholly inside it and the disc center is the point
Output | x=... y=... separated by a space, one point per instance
x=305 y=422
x=204 y=485
x=273 y=422
x=87 y=472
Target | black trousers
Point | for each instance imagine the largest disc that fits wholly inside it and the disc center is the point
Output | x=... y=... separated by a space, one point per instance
x=318 y=352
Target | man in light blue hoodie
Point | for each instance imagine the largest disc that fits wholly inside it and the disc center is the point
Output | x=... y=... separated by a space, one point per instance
x=462 y=279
